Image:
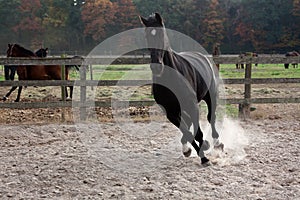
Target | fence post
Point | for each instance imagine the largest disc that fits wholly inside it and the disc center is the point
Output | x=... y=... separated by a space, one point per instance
x=63 y=89
x=244 y=108
x=83 y=94
x=91 y=74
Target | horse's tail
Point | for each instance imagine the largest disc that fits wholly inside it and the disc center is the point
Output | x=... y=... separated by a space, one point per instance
x=6 y=72
x=76 y=67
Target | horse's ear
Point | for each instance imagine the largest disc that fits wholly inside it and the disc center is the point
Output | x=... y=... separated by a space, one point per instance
x=143 y=20
x=159 y=19
x=9 y=45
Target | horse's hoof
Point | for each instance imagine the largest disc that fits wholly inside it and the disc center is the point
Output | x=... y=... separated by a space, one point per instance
x=187 y=153
x=219 y=147
x=205 y=145
x=4 y=98
x=68 y=99
x=205 y=162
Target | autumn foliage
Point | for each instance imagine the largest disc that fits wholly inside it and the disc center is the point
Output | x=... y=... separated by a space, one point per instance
x=79 y=25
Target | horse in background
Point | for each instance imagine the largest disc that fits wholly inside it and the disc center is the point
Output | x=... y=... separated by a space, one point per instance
x=42 y=53
x=288 y=54
x=217 y=52
x=34 y=72
x=242 y=55
x=10 y=70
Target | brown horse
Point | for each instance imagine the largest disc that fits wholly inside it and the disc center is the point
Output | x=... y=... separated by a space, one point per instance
x=34 y=72
x=10 y=70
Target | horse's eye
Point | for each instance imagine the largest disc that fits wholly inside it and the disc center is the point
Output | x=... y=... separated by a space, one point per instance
x=153 y=32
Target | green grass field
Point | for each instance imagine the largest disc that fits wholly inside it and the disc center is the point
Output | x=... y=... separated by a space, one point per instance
x=116 y=72
x=143 y=72
x=261 y=71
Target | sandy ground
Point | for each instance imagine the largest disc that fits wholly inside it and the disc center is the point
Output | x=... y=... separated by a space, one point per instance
x=43 y=158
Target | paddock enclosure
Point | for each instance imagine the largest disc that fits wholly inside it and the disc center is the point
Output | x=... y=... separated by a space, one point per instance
x=43 y=157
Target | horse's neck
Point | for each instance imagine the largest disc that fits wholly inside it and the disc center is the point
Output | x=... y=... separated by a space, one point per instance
x=169 y=58
x=26 y=55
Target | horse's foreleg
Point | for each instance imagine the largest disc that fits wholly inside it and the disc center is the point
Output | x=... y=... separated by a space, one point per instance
x=183 y=124
x=8 y=94
x=175 y=119
x=19 y=94
x=71 y=92
x=193 y=114
x=286 y=65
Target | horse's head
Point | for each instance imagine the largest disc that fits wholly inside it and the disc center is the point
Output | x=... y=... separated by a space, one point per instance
x=15 y=50
x=42 y=52
x=11 y=51
x=157 y=41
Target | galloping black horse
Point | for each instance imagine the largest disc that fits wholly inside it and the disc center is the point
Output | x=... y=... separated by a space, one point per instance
x=10 y=70
x=180 y=82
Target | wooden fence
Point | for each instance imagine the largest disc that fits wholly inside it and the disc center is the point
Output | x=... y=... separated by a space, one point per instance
x=83 y=104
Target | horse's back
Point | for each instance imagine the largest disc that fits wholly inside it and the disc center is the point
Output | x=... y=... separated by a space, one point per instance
x=203 y=72
x=200 y=62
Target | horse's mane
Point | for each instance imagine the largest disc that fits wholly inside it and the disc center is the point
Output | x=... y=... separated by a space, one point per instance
x=25 y=51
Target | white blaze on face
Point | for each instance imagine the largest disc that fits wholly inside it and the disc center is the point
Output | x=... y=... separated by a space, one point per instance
x=153 y=32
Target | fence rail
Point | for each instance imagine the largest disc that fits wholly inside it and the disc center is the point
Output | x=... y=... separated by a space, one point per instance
x=83 y=83
x=44 y=83
x=99 y=60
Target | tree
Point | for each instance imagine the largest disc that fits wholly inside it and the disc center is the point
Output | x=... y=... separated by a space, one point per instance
x=96 y=14
x=74 y=26
x=9 y=18
x=264 y=24
x=293 y=30
x=29 y=27
x=296 y=8
x=126 y=16
x=213 y=31
x=54 y=22
x=238 y=25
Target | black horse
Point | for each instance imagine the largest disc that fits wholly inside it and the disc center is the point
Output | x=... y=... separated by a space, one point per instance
x=42 y=53
x=288 y=54
x=10 y=70
x=180 y=82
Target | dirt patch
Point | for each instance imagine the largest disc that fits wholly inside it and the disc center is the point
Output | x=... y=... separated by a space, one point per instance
x=144 y=161
x=43 y=158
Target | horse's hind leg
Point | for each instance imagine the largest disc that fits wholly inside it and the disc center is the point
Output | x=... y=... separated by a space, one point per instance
x=211 y=117
x=191 y=116
x=8 y=94
x=19 y=94
x=71 y=92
